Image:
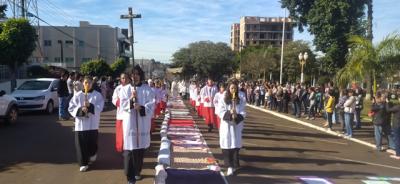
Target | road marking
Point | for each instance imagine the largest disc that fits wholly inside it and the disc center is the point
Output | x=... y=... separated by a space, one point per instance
x=323 y=140
x=362 y=162
x=313 y=180
x=374 y=182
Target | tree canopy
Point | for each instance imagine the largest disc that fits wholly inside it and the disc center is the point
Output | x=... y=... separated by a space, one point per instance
x=17 y=42
x=331 y=22
x=262 y=61
x=205 y=58
x=95 y=68
x=118 y=67
x=380 y=60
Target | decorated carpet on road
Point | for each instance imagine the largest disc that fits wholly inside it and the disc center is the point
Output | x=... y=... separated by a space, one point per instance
x=184 y=156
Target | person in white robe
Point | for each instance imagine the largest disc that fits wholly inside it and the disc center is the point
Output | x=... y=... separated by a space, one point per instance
x=207 y=94
x=218 y=98
x=138 y=107
x=232 y=113
x=86 y=106
x=192 y=87
x=174 y=89
x=120 y=91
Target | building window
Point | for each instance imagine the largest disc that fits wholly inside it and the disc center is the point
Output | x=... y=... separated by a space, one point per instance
x=288 y=36
x=247 y=27
x=47 y=43
x=46 y=59
x=81 y=43
x=86 y=60
x=69 y=59
x=57 y=59
x=262 y=35
x=69 y=42
x=247 y=35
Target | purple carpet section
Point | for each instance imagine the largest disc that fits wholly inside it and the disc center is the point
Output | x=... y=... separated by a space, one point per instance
x=183 y=176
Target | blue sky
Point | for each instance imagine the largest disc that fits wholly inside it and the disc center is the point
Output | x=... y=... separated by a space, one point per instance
x=167 y=25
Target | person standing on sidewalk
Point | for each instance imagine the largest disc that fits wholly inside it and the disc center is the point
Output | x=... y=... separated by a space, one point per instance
x=349 y=108
x=312 y=103
x=359 y=107
x=70 y=84
x=340 y=109
x=379 y=118
x=396 y=126
x=232 y=113
x=63 y=94
x=329 y=108
x=86 y=106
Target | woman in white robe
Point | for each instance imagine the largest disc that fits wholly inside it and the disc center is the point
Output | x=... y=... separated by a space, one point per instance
x=86 y=106
x=232 y=113
x=138 y=107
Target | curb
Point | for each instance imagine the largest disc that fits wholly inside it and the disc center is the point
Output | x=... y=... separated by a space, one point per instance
x=313 y=126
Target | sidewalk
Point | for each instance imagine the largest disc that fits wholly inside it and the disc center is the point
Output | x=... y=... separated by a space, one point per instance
x=364 y=136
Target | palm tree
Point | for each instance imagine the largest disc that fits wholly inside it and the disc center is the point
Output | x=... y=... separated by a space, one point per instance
x=365 y=59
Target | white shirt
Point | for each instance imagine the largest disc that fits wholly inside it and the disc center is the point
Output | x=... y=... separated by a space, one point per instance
x=93 y=120
x=207 y=95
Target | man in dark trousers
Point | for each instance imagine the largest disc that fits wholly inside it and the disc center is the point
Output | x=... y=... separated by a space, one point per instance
x=63 y=95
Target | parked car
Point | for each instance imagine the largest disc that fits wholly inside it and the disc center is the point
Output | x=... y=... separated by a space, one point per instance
x=37 y=94
x=8 y=108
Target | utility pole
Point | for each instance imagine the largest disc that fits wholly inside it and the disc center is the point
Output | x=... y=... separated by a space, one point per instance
x=131 y=16
x=23 y=15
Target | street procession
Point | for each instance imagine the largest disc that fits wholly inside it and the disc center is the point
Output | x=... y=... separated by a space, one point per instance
x=199 y=92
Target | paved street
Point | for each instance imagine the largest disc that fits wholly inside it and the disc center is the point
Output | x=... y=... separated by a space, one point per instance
x=39 y=149
x=278 y=151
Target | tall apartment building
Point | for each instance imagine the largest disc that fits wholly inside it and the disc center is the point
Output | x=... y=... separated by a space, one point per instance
x=260 y=31
x=69 y=47
x=235 y=36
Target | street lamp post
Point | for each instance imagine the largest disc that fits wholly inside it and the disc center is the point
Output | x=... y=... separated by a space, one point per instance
x=61 y=52
x=303 y=59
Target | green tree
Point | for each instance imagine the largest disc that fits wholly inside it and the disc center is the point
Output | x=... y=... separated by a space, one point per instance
x=3 y=9
x=365 y=59
x=205 y=58
x=291 y=66
x=330 y=22
x=258 y=62
x=17 y=42
x=118 y=67
x=95 y=68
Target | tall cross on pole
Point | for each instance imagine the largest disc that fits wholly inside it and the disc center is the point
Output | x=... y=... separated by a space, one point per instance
x=131 y=16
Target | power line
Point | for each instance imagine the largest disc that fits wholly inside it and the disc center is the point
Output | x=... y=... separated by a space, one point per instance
x=59 y=11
